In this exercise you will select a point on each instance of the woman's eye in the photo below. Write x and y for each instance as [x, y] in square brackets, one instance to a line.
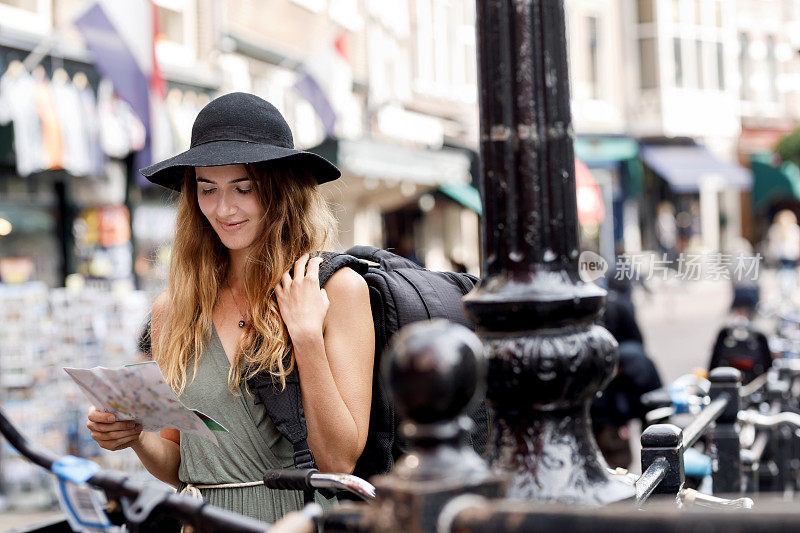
[207, 191]
[243, 191]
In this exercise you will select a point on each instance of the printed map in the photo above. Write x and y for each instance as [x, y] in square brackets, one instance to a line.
[139, 392]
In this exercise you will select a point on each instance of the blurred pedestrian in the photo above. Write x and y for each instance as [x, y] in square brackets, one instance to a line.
[667, 230]
[244, 298]
[783, 249]
[620, 402]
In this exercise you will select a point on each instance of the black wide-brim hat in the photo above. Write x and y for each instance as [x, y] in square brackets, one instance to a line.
[239, 128]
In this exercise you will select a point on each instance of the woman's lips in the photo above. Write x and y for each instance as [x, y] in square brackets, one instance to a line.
[234, 226]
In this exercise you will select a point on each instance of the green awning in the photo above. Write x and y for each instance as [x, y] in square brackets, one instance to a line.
[771, 184]
[465, 194]
[605, 149]
[600, 150]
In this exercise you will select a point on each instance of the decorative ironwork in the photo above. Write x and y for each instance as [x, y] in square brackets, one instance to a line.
[534, 314]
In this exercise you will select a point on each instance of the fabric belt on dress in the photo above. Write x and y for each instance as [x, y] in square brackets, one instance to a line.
[192, 489]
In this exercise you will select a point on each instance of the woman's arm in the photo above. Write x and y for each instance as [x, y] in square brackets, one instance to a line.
[160, 454]
[334, 344]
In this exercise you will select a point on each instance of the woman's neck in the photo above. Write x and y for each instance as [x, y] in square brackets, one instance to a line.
[236, 268]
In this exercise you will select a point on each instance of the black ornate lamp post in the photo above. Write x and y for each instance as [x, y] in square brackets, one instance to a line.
[534, 314]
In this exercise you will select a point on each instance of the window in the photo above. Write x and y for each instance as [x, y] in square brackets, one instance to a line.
[678, 60]
[676, 11]
[176, 41]
[720, 67]
[645, 13]
[444, 54]
[698, 46]
[27, 5]
[594, 65]
[772, 69]
[744, 66]
[170, 25]
[28, 15]
[313, 5]
[345, 13]
[648, 63]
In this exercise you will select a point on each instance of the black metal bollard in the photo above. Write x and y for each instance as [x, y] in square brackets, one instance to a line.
[726, 463]
[436, 371]
[532, 310]
[664, 442]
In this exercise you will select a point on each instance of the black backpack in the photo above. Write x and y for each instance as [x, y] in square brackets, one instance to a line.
[401, 292]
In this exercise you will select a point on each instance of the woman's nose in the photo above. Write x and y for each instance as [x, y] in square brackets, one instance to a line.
[226, 205]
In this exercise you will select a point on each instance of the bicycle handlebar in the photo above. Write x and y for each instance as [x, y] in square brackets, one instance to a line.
[144, 498]
[769, 421]
[692, 497]
[311, 478]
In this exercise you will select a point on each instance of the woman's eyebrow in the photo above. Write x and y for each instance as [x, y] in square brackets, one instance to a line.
[206, 180]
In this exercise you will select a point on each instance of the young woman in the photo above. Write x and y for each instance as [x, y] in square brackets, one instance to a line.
[244, 297]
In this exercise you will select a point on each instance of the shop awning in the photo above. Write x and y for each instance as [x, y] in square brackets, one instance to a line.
[465, 194]
[610, 150]
[604, 149]
[687, 167]
[368, 158]
[771, 184]
[590, 200]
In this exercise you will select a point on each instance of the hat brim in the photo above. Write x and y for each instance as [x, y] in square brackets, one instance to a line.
[169, 173]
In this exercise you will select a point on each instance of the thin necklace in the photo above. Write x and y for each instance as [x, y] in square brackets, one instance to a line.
[241, 322]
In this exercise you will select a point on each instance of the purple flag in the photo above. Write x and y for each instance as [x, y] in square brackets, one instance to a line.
[114, 60]
[309, 89]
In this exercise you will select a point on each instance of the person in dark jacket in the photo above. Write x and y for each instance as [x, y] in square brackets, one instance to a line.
[636, 374]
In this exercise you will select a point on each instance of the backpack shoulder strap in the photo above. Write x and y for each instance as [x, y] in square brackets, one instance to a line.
[285, 409]
[385, 258]
[332, 262]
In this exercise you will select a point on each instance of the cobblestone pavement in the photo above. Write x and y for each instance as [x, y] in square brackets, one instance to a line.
[680, 321]
[18, 521]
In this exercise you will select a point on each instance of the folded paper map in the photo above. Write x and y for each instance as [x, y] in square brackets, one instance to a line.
[139, 392]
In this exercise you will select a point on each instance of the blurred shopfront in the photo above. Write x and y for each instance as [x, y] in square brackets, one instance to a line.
[76, 230]
[701, 191]
[613, 161]
[70, 194]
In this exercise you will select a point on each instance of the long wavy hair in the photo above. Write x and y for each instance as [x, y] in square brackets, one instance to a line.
[297, 220]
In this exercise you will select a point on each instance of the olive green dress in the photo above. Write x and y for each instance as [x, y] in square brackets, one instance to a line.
[251, 446]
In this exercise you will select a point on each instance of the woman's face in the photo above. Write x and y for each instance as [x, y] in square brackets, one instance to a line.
[226, 197]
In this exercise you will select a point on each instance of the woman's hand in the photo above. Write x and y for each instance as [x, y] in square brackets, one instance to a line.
[110, 434]
[303, 305]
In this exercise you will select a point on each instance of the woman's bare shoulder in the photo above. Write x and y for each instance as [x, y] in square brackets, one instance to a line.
[159, 313]
[161, 303]
[346, 281]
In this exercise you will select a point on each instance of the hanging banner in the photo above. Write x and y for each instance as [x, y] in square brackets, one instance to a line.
[115, 60]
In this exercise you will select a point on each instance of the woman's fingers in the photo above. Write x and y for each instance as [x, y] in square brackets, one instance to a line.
[118, 444]
[114, 435]
[101, 416]
[313, 268]
[286, 279]
[300, 267]
[115, 426]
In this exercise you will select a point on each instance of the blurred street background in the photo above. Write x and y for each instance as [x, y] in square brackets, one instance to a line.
[685, 115]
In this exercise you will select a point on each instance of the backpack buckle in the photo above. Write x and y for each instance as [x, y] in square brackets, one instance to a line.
[304, 459]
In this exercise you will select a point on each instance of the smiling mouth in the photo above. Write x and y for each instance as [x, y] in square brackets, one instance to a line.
[233, 226]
